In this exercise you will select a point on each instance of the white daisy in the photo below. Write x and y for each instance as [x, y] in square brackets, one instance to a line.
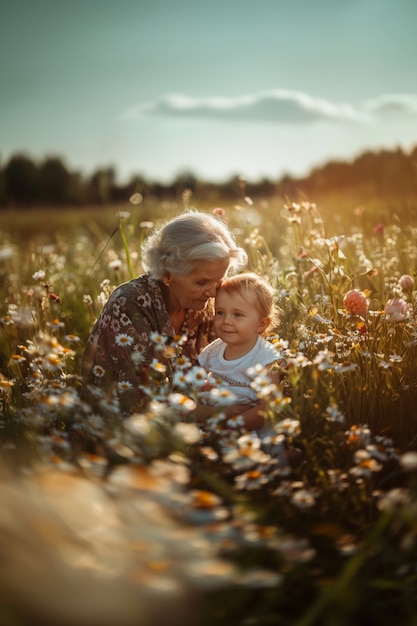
[222, 396]
[39, 275]
[179, 380]
[124, 340]
[180, 401]
[124, 385]
[197, 376]
[158, 339]
[98, 371]
[158, 366]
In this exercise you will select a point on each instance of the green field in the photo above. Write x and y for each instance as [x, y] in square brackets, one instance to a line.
[328, 539]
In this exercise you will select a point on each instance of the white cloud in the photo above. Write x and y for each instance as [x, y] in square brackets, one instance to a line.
[392, 103]
[278, 107]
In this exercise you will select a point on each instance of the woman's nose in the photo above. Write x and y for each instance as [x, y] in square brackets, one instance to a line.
[211, 291]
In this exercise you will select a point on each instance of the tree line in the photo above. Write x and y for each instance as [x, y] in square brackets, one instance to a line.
[26, 183]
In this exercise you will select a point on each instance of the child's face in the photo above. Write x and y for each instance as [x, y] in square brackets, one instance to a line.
[237, 320]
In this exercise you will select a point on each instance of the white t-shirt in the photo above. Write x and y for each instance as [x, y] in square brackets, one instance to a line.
[234, 373]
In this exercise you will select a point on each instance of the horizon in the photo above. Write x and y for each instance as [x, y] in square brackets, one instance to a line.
[189, 172]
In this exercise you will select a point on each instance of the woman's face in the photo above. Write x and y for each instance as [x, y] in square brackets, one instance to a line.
[193, 290]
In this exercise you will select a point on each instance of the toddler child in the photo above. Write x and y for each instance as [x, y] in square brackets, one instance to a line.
[244, 312]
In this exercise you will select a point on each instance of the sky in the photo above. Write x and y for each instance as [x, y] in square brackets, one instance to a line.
[256, 88]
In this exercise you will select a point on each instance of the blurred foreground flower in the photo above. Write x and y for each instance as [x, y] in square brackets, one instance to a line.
[80, 551]
[408, 461]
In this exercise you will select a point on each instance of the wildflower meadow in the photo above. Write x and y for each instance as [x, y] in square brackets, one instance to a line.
[131, 521]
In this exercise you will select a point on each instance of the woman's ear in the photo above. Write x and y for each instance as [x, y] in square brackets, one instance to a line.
[166, 278]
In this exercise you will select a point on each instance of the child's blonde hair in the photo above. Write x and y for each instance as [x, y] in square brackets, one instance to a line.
[258, 290]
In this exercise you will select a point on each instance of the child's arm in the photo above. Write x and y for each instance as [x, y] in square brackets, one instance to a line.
[251, 414]
[254, 415]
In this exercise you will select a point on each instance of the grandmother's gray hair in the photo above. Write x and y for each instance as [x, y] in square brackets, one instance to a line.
[186, 239]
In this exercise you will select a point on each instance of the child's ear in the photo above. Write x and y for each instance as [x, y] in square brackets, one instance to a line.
[263, 325]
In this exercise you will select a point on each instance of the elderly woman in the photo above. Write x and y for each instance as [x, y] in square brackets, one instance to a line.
[185, 261]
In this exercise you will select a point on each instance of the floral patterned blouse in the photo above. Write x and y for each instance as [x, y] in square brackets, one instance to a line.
[120, 349]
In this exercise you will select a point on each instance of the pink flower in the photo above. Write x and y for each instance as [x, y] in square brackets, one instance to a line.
[356, 302]
[396, 309]
[379, 229]
[219, 212]
[406, 282]
[310, 272]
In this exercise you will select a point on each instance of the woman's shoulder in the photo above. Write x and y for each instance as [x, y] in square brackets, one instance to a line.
[136, 289]
[135, 284]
